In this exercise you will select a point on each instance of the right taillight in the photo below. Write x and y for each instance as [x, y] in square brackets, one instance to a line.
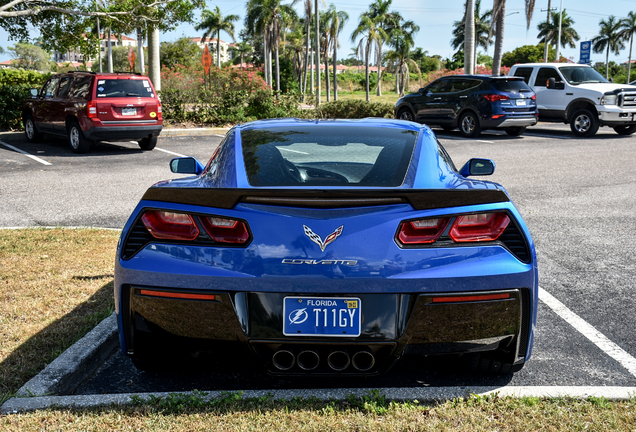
[91, 108]
[225, 230]
[170, 225]
[478, 227]
[495, 97]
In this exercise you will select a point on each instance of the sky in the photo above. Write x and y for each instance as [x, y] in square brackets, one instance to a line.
[436, 17]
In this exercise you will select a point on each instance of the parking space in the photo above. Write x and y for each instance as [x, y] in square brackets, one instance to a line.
[576, 195]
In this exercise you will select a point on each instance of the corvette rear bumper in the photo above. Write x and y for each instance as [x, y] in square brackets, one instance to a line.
[392, 325]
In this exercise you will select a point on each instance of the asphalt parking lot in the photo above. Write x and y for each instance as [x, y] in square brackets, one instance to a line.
[576, 195]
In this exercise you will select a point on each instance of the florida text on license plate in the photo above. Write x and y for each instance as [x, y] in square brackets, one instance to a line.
[321, 316]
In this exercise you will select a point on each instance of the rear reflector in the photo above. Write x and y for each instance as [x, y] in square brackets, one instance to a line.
[422, 231]
[226, 230]
[182, 296]
[479, 227]
[471, 298]
[170, 225]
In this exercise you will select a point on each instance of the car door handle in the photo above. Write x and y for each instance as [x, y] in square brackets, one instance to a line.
[463, 97]
[439, 98]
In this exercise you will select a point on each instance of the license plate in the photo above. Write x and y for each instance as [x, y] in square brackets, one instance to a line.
[521, 102]
[129, 111]
[321, 316]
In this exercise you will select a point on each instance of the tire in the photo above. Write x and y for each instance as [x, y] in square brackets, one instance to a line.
[79, 143]
[483, 365]
[30, 130]
[405, 114]
[515, 131]
[625, 130]
[469, 125]
[148, 143]
[584, 124]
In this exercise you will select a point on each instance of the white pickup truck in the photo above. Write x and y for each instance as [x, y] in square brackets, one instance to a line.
[579, 95]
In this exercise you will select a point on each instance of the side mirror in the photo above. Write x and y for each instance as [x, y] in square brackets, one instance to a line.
[554, 84]
[34, 92]
[478, 167]
[186, 165]
[611, 80]
[421, 90]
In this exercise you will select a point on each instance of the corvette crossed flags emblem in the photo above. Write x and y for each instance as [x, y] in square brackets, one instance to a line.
[328, 240]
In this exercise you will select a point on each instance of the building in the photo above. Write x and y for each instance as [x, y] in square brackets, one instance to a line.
[227, 53]
[114, 41]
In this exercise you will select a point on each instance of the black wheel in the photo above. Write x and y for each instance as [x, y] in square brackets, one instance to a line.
[469, 125]
[79, 143]
[148, 143]
[583, 123]
[515, 131]
[30, 130]
[625, 130]
[405, 114]
[485, 365]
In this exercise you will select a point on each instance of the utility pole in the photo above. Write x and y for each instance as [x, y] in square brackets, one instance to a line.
[546, 45]
[558, 45]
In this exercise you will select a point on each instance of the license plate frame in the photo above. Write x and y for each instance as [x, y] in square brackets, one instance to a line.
[129, 111]
[322, 316]
[521, 102]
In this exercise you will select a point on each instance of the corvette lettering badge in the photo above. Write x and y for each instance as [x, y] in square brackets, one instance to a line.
[328, 240]
[317, 262]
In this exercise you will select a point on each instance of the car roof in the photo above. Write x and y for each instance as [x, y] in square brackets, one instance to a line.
[365, 122]
[549, 64]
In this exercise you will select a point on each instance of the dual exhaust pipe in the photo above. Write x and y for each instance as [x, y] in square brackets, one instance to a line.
[337, 361]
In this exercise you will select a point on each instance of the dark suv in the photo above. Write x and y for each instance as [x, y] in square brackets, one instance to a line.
[87, 107]
[472, 103]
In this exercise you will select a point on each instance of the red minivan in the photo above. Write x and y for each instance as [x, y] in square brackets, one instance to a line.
[88, 107]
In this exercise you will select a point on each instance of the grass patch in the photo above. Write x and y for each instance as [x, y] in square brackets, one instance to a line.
[388, 97]
[55, 286]
[370, 413]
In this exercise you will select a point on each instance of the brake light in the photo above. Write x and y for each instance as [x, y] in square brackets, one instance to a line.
[422, 231]
[495, 97]
[170, 225]
[92, 109]
[534, 97]
[479, 227]
[226, 230]
[159, 108]
[178, 295]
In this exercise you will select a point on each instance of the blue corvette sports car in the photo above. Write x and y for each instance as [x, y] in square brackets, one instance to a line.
[328, 247]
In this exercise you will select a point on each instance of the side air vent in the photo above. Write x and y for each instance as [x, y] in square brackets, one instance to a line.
[137, 238]
[516, 243]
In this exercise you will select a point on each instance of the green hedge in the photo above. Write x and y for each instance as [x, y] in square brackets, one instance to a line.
[354, 109]
[11, 97]
[12, 77]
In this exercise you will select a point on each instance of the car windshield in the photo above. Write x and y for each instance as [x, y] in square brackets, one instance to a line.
[581, 74]
[124, 88]
[327, 156]
[510, 85]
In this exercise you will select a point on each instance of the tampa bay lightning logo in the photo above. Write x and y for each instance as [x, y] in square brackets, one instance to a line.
[328, 240]
[298, 316]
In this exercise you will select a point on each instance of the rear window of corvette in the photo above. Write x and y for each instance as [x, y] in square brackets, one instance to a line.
[327, 156]
[123, 88]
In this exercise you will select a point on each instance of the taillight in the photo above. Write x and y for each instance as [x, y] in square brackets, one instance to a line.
[495, 97]
[92, 109]
[479, 227]
[422, 231]
[225, 230]
[159, 108]
[170, 225]
[534, 97]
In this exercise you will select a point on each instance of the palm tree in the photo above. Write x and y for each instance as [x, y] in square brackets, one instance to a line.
[332, 21]
[549, 31]
[213, 22]
[469, 45]
[609, 39]
[379, 10]
[242, 49]
[401, 39]
[628, 26]
[369, 31]
[482, 28]
[498, 21]
[308, 13]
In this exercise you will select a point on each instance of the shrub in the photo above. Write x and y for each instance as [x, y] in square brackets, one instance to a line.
[11, 97]
[13, 77]
[354, 109]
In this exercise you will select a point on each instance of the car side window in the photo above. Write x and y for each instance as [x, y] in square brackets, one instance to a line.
[440, 86]
[65, 86]
[460, 84]
[49, 88]
[524, 73]
[81, 87]
[544, 75]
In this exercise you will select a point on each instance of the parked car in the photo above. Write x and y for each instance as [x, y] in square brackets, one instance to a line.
[87, 107]
[472, 103]
[328, 247]
[579, 95]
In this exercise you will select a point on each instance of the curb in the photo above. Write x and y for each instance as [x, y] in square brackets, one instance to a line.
[425, 395]
[80, 360]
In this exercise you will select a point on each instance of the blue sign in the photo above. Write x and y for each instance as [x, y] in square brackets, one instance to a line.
[586, 48]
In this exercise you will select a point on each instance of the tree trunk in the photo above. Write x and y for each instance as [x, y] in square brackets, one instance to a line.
[629, 64]
[379, 60]
[265, 68]
[140, 50]
[306, 65]
[499, 39]
[277, 69]
[607, 62]
[154, 70]
[366, 67]
[317, 36]
[99, 52]
[327, 85]
[110, 54]
[397, 81]
[313, 79]
[546, 46]
[335, 64]
[469, 37]
[218, 49]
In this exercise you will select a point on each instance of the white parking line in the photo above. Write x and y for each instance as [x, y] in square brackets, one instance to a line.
[595, 336]
[35, 158]
[169, 152]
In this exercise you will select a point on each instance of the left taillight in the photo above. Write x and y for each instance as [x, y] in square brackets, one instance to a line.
[223, 230]
[91, 109]
[463, 228]
[170, 225]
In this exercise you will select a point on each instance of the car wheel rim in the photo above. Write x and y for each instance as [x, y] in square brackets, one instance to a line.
[468, 124]
[406, 116]
[74, 137]
[582, 123]
[29, 129]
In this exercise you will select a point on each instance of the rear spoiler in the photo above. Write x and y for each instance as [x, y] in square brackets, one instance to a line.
[419, 199]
